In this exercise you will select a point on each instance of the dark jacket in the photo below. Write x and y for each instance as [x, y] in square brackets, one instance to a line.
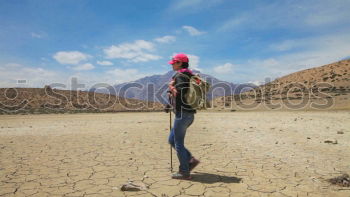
[182, 86]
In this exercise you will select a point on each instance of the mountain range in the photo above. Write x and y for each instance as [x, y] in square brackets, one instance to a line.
[153, 88]
[321, 88]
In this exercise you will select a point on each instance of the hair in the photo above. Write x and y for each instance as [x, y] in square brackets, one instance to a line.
[185, 65]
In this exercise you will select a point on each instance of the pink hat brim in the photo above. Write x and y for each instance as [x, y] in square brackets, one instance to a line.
[171, 61]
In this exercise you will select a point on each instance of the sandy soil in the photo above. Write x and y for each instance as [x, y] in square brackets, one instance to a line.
[241, 153]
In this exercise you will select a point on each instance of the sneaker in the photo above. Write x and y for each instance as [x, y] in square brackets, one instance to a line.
[180, 175]
[193, 163]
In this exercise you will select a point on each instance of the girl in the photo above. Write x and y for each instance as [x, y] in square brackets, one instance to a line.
[184, 115]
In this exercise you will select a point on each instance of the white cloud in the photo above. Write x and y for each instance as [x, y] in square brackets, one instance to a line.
[86, 66]
[257, 83]
[135, 52]
[11, 65]
[104, 63]
[266, 63]
[166, 39]
[312, 43]
[285, 45]
[194, 5]
[145, 57]
[192, 31]
[317, 20]
[39, 77]
[224, 69]
[70, 57]
[194, 62]
[186, 3]
[317, 51]
[36, 35]
[110, 77]
[34, 77]
[305, 15]
[233, 23]
[328, 13]
[124, 75]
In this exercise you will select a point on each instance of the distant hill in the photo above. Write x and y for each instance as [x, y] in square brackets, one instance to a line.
[324, 87]
[160, 85]
[47, 100]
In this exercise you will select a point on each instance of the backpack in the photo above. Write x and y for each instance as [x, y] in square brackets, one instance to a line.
[196, 96]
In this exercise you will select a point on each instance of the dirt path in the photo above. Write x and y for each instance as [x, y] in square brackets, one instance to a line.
[241, 153]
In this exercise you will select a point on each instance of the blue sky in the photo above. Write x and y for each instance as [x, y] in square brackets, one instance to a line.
[115, 41]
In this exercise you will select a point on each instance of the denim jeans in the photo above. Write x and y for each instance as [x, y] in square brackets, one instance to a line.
[177, 138]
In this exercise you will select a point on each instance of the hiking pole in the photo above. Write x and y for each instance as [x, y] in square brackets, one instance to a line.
[171, 148]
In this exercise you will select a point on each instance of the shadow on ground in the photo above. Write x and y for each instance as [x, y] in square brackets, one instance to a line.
[214, 178]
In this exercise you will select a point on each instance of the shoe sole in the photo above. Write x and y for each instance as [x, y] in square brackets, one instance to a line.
[188, 178]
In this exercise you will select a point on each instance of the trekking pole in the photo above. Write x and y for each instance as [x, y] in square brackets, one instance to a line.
[171, 148]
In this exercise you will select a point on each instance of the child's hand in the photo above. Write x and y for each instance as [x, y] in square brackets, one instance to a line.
[167, 108]
[173, 91]
[172, 88]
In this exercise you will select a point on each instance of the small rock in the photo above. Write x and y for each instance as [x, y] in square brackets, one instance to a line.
[132, 187]
[295, 119]
[331, 141]
[308, 138]
[276, 142]
[343, 180]
[340, 132]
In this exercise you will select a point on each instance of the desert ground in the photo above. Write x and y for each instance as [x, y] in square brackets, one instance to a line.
[266, 153]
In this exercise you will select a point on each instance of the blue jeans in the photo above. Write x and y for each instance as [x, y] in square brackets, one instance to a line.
[177, 139]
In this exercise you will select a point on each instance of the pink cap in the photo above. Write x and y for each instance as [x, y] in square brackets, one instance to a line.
[179, 58]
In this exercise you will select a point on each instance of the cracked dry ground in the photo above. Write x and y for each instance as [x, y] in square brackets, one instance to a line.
[241, 153]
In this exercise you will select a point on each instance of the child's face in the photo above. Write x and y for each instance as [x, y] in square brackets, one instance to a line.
[177, 66]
